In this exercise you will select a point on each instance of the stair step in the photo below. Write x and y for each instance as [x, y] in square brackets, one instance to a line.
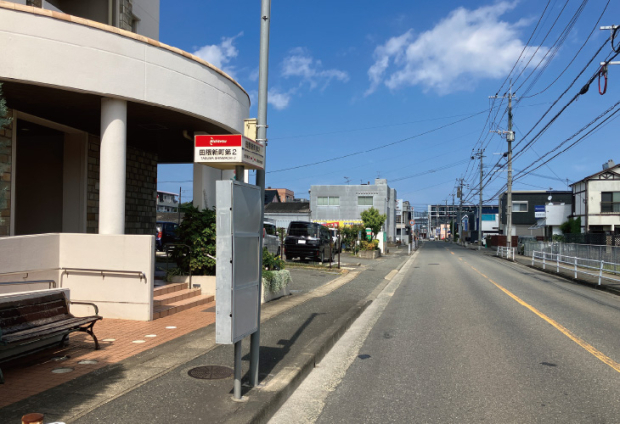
[169, 288]
[168, 298]
[181, 305]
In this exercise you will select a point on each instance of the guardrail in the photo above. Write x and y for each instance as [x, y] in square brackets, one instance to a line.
[506, 252]
[577, 265]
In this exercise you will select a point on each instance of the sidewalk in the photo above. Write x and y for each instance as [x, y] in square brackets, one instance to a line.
[149, 382]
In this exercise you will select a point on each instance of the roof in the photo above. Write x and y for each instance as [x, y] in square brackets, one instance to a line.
[615, 168]
[272, 196]
[288, 207]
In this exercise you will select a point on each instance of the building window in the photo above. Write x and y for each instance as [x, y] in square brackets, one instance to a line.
[365, 200]
[519, 206]
[328, 201]
[610, 201]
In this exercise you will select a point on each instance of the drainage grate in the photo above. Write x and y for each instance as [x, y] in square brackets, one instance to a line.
[211, 372]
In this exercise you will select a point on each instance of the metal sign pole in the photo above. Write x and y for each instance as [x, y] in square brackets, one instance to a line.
[261, 133]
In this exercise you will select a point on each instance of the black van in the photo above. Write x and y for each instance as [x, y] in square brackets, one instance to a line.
[308, 240]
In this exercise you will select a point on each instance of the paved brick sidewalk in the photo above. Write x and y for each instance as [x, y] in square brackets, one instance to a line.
[119, 339]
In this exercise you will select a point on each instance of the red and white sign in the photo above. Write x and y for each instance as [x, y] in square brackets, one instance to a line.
[227, 151]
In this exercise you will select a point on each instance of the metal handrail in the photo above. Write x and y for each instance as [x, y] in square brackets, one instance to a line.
[52, 283]
[576, 264]
[29, 271]
[103, 271]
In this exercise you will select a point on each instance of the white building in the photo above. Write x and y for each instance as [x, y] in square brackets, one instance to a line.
[97, 103]
[167, 201]
[596, 200]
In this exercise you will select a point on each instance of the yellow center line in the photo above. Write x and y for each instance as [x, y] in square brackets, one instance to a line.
[598, 354]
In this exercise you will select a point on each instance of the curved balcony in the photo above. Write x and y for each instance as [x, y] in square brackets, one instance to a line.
[58, 66]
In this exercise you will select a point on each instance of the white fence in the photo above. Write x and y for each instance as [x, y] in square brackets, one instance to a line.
[506, 252]
[595, 268]
[586, 251]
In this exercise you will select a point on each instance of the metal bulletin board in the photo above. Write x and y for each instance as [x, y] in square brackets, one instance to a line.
[238, 289]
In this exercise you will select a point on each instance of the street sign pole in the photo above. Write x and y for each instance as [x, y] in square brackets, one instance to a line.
[261, 135]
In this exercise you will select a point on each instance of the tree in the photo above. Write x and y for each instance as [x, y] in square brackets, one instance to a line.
[4, 120]
[572, 226]
[373, 220]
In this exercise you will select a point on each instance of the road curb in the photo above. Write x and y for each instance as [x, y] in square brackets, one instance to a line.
[265, 401]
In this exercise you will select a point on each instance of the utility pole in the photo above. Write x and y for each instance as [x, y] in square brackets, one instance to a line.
[460, 196]
[480, 154]
[510, 137]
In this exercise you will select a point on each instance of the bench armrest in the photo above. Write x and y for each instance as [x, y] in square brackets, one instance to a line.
[86, 303]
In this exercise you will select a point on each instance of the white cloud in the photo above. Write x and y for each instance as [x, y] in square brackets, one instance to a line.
[278, 99]
[301, 64]
[219, 55]
[466, 46]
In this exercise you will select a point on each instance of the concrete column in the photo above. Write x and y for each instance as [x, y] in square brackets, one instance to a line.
[113, 162]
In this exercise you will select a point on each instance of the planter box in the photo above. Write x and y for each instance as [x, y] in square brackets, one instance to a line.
[369, 254]
[206, 282]
[284, 291]
[267, 295]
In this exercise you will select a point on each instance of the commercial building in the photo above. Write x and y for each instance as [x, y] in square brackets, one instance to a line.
[97, 102]
[526, 205]
[283, 213]
[404, 221]
[345, 203]
[597, 200]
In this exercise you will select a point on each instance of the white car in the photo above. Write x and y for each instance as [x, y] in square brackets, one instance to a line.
[270, 238]
[337, 246]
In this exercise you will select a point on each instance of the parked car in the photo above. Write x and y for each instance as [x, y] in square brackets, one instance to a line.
[165, 233]
[270, 238]
[337, 243]
[308, 240]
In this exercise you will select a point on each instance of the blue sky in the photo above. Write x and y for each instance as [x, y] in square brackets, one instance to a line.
[351, 76]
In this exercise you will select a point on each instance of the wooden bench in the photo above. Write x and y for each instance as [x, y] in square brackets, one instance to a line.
[33, 317]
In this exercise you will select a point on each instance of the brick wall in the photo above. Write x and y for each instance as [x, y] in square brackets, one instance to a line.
[126, 15]
[141, 190]
[141, 196]
[6, 141]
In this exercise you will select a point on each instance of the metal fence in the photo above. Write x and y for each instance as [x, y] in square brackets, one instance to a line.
[596, 268]
[608, 254]
[599, 239]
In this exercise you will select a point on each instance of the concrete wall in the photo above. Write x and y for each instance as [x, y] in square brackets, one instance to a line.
[51, 256]
[147, 11]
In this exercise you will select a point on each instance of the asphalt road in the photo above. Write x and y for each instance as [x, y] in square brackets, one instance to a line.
[470, 338]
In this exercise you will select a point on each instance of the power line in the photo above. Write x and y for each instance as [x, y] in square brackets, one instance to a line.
[378, 147]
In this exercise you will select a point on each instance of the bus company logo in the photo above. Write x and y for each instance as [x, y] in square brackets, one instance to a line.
[215, 142]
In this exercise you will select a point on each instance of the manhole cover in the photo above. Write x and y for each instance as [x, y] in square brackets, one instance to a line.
[62, 370]
[88, 362]
[211, 372]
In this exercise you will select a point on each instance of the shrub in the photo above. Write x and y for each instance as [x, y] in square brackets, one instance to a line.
[198, 232]
[271, 262]
[370, 245]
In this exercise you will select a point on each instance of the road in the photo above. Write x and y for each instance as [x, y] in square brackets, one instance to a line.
[469, 338]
